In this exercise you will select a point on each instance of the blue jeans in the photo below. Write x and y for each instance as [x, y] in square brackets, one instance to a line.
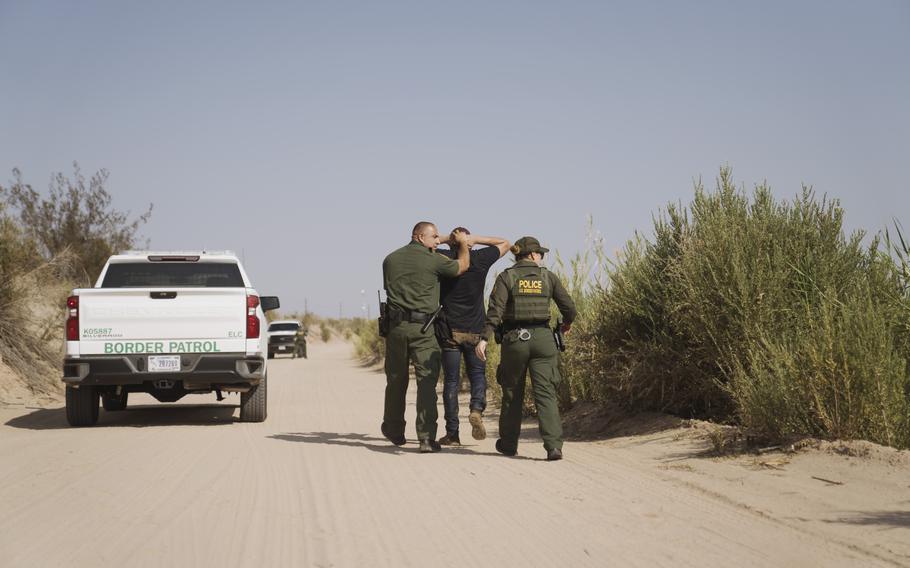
[451, 367]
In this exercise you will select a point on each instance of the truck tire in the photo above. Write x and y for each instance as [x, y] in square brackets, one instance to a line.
[82, 406]
[271, 355]
[113, 403]
[253, 406]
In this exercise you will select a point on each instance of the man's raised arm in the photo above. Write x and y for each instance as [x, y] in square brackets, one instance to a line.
[498, 242]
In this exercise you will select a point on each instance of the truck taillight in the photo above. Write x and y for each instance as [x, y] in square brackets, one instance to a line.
[72, 319]
[252, 321]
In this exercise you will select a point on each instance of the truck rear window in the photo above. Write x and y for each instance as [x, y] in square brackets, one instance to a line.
[172, 275]
[284, 327]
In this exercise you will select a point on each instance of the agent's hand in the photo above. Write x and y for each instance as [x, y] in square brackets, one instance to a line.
[459, 237]
[565, 328]
[481, 350]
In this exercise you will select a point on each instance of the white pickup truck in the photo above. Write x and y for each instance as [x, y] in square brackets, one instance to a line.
[168, 324]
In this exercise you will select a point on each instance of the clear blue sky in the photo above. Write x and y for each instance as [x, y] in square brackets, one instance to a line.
[312, 135]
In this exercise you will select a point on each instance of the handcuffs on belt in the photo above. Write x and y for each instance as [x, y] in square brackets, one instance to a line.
[519, 333]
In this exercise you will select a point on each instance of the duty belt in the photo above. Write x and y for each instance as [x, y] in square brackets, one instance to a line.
[522, 330]
[524, 325]
[410, 316]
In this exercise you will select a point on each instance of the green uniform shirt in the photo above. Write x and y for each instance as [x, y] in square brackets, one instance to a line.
[500, 298]
[411, 276]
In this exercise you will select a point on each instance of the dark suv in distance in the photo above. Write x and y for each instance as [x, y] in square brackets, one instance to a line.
[287, 337]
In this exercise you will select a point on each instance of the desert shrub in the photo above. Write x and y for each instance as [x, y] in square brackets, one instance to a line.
[751, 309]
[32, 291]
[49, 245]
[368, 346]
[325, 332]
[76, 216]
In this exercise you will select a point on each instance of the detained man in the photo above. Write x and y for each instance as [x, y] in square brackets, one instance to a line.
[460, 329]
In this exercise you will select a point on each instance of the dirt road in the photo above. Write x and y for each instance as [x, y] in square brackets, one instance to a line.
[317, 485]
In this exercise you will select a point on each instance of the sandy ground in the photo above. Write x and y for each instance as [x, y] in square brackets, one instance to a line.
[14, 391]
[317, 485]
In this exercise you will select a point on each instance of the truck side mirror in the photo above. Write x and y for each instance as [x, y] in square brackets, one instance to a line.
[269, 303]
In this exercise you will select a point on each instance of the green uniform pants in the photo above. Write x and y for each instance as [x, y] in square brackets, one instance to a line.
[404, 345]
[540, 356]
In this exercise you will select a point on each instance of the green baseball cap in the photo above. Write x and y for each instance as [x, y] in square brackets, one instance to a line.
[526, 245]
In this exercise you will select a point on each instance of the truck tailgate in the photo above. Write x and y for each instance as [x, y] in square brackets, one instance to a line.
[158, 320]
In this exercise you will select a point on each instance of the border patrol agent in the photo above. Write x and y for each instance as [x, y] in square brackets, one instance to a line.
[411, 279]
[520, 308]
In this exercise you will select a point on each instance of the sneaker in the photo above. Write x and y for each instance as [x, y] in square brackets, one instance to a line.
[429, 446]
[554, 455]
[450, 440]
[397, 440]
[500, 447]
[477, 429]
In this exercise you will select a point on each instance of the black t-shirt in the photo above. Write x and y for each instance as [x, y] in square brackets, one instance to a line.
[462, 297]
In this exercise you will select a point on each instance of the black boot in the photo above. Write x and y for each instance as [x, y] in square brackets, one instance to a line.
[501, 448]
[429, 446]
[554, 455]
[397, 440]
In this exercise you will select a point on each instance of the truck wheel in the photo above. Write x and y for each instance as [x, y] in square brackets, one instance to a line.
[113, 403]
[253, 403]
[81, 406]
[271, 355]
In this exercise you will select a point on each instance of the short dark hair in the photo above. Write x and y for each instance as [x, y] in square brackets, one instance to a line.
[462, 229]
[421, 227]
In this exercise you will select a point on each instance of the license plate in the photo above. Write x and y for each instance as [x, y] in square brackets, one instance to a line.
[158, 364]
[283, 347]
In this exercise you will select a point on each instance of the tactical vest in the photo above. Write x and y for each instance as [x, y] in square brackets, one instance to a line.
[529, 294]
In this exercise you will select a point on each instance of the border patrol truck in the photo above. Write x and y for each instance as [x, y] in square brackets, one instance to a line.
[167, 324]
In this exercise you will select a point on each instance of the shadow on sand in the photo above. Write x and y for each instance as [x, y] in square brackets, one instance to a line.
[134, 417]
[587, 421]
[887, 518]
[375, 444]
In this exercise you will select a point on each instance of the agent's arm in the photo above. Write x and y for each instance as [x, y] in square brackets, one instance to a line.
[564, 302]
[499, 296]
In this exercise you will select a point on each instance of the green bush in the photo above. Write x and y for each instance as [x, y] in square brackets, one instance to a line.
[368, 346]
[749, 309]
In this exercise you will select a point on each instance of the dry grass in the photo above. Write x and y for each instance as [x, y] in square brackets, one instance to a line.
[747, 309]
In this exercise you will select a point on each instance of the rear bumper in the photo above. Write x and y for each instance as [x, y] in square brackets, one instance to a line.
[198, 370]
[284, 343]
